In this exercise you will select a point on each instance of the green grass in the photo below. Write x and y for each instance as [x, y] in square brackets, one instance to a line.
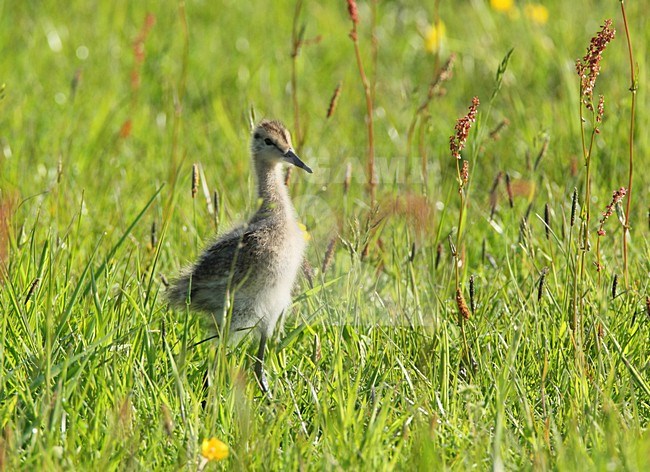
[371, 370]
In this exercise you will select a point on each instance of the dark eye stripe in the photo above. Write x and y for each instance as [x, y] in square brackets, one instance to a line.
[269, 142]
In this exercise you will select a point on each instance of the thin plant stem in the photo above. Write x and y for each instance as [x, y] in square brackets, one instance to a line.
[372, 183]
[457, 142]
[587, 151]
[578, 305]
[374, 50]
[633, 89]
[296, 43]
[461, 214]
[588, 69]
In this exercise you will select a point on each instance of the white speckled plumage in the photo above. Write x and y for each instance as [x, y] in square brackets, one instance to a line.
[254, 265]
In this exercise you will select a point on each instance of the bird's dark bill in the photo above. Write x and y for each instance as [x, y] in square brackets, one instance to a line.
[292, 158]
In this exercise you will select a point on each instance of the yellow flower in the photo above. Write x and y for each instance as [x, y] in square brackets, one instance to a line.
[537, 13]
[502, 5]
[305, 233]
[213, 449]
[434, 37]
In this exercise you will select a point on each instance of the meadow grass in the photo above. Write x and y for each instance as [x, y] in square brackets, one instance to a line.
[105, 110]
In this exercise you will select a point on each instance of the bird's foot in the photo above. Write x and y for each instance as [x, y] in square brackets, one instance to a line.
[261, 379]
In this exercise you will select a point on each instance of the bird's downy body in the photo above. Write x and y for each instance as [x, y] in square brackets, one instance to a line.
[253, 266]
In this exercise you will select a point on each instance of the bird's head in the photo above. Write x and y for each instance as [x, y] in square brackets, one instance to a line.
[271, 143]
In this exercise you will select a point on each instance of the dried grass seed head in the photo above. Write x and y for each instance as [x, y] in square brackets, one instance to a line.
[588, 68]
[457, 141]
[617, 196]
[353, 12]
[463, 309]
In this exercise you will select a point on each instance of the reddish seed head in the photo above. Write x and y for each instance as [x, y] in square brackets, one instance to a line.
[589, 67]
[125, 130]
[463, 309]
[617, 196]
[329, 254]
[334, 100]
[457, 141]
[601, 109]
[149, 21]
[464, 172]
[353, 12]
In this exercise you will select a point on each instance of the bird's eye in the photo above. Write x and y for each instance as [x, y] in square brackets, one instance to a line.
[269, 142]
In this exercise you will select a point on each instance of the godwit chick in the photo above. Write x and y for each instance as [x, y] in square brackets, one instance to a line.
[254, 266]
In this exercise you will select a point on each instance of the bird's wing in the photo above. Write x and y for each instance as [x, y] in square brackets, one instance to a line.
[226, 262]
[220, 258]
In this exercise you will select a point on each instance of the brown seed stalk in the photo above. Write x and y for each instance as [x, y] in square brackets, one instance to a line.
[464, 173]
[334, 100]
[472, 299]
[547, 221]
[463, 310]
[617, 196]
[458, 140]
[435, 86]
[421, 114]
[574, 206]
[540, 287]
[195, 179]
[308, 272]
[368, 92]
[329, 254]
[589, 67]
[438, 254]
[412, 253]
[353, 12]
[600, 109]
[32, 289]
[600, 331]
[542, 152]
[495, 134]
[509, 190]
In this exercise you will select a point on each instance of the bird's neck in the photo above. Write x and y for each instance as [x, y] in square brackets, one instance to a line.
[271, 189]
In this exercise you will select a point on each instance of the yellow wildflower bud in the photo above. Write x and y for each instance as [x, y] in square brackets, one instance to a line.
[537, 13]
[502, 5]
[434, 37]
[214, 450]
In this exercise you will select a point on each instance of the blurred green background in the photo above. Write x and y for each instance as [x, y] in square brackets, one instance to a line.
[107, 105]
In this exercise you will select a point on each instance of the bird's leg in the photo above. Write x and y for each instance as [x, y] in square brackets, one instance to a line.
[259, 366]
[206, 387]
